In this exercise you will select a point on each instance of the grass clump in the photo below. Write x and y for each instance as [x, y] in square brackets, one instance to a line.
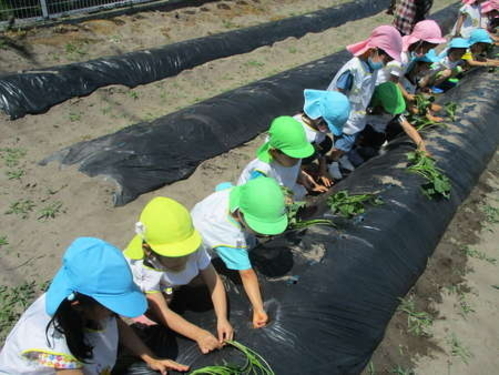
[22, 207]
[437, 184]
[473, 253]
[12, 156]
[50, 211]
[450, 109]
[418, 322]
[255, 364]
[346, 205]
[458, 349]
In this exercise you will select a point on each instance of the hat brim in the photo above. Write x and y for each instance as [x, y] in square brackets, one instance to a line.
[179, 249]
[59, 289]
[265, 227]
[336, 130]
[130, 305]
[304, 151]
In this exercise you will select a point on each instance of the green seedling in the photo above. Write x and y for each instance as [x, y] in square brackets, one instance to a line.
[229, 24]
[418, 323]
[458, 349]
[450, 109]
[73, 49]
[423, 103]
[370, 368]
[255, 364]
[437, 184]
[491, 213]
[50, 211]
[292, 50]
[15, 174]
[467, 250]
[346, 205]
[465, 307]
[3, 241]
[133, 94]
[12, 156]
[74, 116]
[22, 207]
[495, 286]
[254, 63]
[292, 209]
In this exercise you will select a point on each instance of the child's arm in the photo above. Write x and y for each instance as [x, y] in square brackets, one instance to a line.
[459, 24]
[205, 340]
[412, 133]
[324, 176]
[487, 62]
[408, 97]
[133, 343]
[217, 292]
[252, 289]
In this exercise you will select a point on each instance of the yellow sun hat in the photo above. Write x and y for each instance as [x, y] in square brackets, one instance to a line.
[167, 227]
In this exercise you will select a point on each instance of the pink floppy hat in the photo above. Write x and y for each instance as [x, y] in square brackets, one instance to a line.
[385, 37]
[489, 6]
[427, 30]
[469, 2]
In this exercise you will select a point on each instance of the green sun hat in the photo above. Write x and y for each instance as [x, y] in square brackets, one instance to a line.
[287, 135]
[389, 97]
[261, 201]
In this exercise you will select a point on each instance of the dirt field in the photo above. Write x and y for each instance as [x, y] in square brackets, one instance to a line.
[44, 208]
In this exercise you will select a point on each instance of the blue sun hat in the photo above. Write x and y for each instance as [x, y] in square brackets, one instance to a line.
[332, 106]
[479, 36]
[93, 267]
[430, 57]
[459, 43]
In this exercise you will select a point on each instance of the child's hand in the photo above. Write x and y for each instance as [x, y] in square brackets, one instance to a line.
[430, 117]
[260, 319]
[207, 342]
[225, 331]
[326, 180]
[162, 365]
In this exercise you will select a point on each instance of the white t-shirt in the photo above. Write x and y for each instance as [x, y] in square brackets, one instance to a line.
[474, 20]
[313, 136]
[360, 94]
[212, 219]
[151, 280]
[285, 176]
[27, 352]
[393, 68]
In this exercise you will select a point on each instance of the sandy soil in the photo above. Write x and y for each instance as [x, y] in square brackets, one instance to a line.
[34, 244]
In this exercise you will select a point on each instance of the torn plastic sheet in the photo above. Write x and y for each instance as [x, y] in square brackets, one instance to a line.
[349, 280]
[37, 91]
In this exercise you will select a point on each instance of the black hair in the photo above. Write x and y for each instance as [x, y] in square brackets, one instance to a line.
[71, 323]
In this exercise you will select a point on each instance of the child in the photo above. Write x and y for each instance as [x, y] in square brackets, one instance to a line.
[323, 112]
[357, 80]
[479, 43]
[490, 9]
[387, 106]
[280, 158]
[470, 17]
[167, 253]
[425, 36]
[74, 327]
[450, 64]
[228, 221]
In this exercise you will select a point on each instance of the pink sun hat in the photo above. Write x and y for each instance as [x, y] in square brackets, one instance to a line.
[385, 37]
[427, 30]
[489, 6]
[469, 2]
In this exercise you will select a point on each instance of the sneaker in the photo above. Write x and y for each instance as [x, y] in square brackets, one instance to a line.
[334, 171]
[346, 164]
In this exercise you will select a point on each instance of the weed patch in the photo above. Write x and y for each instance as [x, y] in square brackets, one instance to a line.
[12, 156]
[50, 211]
[15, 174]
[457, 349]
[467, 250]
[418, 323]
[22, 207]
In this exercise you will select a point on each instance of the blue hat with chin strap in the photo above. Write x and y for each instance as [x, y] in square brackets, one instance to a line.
[93, 267]
[480, 36]
[430, 57]
[332, 106]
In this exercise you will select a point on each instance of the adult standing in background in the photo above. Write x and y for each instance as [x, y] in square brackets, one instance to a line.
[410, 12]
